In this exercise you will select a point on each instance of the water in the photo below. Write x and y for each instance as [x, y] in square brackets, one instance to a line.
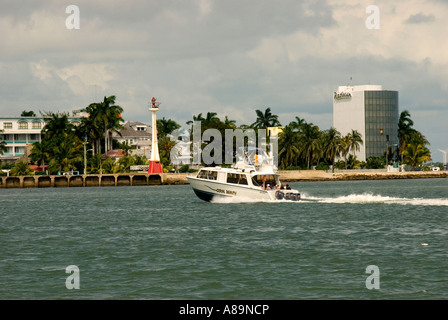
[161, 242]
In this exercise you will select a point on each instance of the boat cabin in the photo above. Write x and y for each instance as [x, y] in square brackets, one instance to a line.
[250, 179]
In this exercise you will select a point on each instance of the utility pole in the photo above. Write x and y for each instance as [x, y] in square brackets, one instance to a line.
[85, 155]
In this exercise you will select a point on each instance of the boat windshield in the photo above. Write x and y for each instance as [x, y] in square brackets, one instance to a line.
[259, 179]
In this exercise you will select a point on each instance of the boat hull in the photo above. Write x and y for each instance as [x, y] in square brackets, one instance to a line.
[209, 190]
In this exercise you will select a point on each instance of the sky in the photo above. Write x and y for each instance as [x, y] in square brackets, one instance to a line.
[225, 56]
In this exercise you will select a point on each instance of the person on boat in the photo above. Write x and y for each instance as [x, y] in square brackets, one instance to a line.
[268, 187]
[288, 187]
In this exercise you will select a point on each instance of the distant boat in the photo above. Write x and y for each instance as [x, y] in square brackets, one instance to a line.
[252, 177]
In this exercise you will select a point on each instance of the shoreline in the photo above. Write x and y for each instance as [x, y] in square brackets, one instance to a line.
[144, 179]
[320, 175]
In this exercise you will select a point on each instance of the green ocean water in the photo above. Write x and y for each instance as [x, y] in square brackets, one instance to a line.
[162, 242]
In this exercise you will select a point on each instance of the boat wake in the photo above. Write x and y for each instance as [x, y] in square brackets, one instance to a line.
[372, 198]
[367, 198]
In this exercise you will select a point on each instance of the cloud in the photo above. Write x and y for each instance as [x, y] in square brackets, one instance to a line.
[420, 18]
[230, 57]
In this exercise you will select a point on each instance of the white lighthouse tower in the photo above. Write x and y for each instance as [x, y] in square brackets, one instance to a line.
[154, 165]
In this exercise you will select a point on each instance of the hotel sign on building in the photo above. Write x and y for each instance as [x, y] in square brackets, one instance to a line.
[342, 95]
[371, 111]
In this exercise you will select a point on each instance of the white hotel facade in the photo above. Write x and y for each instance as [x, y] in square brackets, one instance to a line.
[371, 111]
[21, 132]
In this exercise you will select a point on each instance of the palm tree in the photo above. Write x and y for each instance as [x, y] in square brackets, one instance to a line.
[345, 147]
[332, 145]
[199, 117]
[230, 124]
[416, 154]
[266, 119]
[166, 126]
[126, 163]
[109, 166]
[405, 131]
[140, 159]
[165, 147]
[56, 124]
[355, 140]
[309, 140]
[352, 162]
[298, 124]
[21, 168]
[288, 150]
[211, 120]
[105, 117]
[2, 144]
[95, 164]
[88, 130]
[66, 153]
[39, 153]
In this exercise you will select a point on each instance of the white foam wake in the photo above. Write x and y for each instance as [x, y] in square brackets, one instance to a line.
[372, 198]
[352, 198]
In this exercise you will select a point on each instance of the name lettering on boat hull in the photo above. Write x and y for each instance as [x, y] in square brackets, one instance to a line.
[226, 191]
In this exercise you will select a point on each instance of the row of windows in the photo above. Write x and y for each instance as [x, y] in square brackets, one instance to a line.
[20, 137]
[381, 105]
[379, 152]
[380, 102]
[381, 125]
[34, 124]
[379, 141]
[382, 121]
[23, 125]
[236, 178]
[16, 150]
[384, 112]
[206, 174]
[382, 94]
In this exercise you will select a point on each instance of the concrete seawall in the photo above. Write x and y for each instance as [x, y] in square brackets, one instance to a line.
[94, 180]
[144, 179]
[320, 175]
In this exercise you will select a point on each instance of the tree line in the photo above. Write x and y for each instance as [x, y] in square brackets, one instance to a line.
[301, 144]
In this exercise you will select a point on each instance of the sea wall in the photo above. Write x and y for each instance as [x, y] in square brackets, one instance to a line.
[91, 180]
[144, 179]
[320, 175]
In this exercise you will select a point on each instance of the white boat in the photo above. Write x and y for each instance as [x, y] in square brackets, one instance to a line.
[252, 177]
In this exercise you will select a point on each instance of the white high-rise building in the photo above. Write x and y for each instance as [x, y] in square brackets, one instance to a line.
[373, 112]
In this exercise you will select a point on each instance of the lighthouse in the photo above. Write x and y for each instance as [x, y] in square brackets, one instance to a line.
[154, 165]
